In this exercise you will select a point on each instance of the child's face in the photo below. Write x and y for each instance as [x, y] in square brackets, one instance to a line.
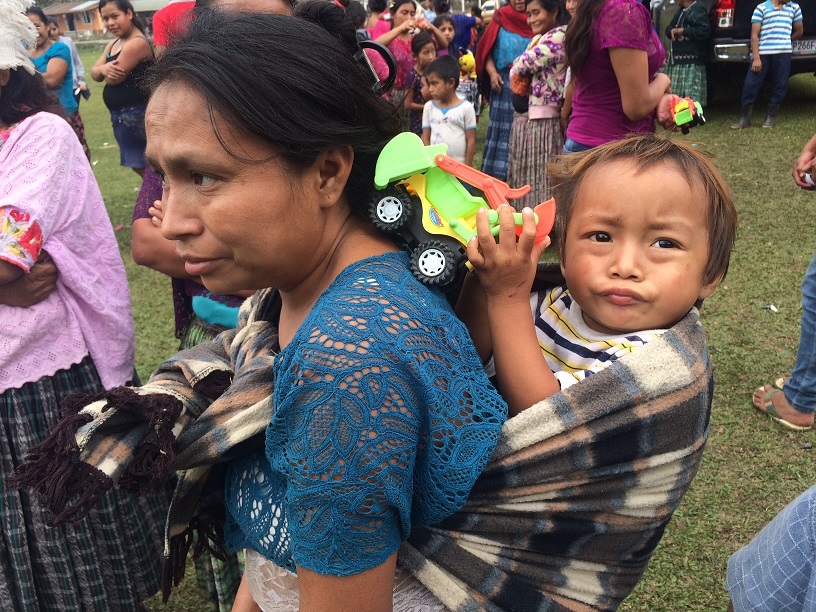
[426, 55]
[448, 31]
[636, 247]
[441, 90]
[572, 6]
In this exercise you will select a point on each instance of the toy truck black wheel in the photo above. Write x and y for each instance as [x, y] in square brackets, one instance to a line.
[434, 263]
[392, 208]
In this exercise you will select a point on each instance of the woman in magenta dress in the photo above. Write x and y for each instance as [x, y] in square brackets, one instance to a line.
[614, 55]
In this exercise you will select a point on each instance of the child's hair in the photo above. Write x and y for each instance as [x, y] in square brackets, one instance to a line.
[446, 68]
[443, 19]
[649, 151]
[265, 75]
[476, 10]
[442, 6]
[125, 6]
[559, 7]
[419, 41]
[357, 14]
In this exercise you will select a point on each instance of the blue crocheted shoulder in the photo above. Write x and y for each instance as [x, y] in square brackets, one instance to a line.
[384, 419]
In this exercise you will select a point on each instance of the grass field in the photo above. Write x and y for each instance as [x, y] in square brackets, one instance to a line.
[751, 468]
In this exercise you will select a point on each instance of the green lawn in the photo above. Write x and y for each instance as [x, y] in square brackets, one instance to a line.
[751, 467]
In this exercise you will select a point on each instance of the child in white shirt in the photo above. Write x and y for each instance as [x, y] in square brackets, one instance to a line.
[446, 117]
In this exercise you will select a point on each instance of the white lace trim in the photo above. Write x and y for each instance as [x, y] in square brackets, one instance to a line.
[275, 589]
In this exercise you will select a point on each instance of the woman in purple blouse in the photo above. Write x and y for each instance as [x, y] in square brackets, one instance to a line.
[614, 55]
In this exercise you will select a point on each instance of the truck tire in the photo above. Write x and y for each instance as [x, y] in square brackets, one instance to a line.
[434, 263]
[392, 208]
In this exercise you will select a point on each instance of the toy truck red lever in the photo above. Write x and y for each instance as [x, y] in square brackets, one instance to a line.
[497, 192]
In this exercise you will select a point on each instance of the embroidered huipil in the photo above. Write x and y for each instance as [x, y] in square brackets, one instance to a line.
[49, 200]
[544, 61]
[383, 420]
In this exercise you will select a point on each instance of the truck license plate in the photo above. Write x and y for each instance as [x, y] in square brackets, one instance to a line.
[804, 47]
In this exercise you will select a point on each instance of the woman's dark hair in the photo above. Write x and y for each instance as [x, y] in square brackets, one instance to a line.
[357, 14]
[38, 12]
[287, 83]
[579, 34]
[377, 6]
[419, 41]
[125, 6]
[562, 17]
[24, 95]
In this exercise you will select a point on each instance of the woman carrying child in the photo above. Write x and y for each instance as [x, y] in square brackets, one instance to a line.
[537, 80]
[398, 40]
[336, 391]
[689, 31]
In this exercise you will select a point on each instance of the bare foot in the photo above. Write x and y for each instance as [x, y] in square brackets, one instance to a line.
[782, 407]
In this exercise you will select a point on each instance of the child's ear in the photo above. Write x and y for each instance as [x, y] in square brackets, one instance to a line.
[708, 289]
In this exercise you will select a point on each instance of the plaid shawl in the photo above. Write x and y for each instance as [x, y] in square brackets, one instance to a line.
[566, 515]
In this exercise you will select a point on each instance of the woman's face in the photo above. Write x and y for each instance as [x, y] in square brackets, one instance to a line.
[118, 22]
[572, 6]
[42, 29]
[237, 225]
[53, 32]
[539, 19]
[404, 13]
[519, 5]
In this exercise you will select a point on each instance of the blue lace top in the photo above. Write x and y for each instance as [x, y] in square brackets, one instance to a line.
[384, 419]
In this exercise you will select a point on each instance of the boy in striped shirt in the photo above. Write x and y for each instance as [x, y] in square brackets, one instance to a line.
[644, 226]
[774, 24]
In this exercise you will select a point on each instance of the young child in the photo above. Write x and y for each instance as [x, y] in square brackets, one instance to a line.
[774, 24]
[445, 24]
[644, 228]
[447, 118]
[423, 49]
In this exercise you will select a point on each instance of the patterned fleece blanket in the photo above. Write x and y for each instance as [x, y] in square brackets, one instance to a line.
[565, 517]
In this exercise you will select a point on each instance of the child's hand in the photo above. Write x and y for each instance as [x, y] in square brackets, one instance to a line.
[156, 213]
[506, 269]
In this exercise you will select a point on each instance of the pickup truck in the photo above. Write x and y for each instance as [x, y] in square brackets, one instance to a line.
[730, 44]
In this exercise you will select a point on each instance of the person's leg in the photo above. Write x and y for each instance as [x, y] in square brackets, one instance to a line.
[796, 403]
[775, 571]
[750, 92]
[780, 73]
[800, 390]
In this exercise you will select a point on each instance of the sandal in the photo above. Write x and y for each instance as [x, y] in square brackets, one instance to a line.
[769, 409]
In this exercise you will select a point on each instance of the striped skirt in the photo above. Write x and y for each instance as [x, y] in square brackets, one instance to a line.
[533, 145]
[110, 560]
[688, 81]
[497, 141]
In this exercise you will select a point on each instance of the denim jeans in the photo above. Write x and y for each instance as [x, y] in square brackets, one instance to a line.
[779, 66]
[570, 146]
[800, 390]
[777, 569]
